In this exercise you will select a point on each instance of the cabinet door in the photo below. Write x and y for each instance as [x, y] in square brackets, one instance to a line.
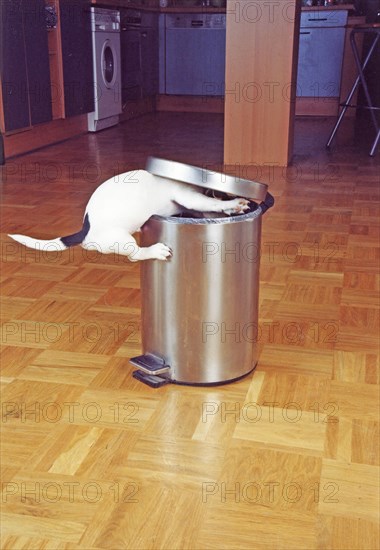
[13, 66]
[320, 62]
[25, 68]
[131, 81]
[149, 61]
[77, 57]
[37, 60]
[161, 53]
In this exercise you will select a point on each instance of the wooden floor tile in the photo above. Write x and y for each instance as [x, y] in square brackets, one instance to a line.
[285, 458]
[348, 486]
[340, 533]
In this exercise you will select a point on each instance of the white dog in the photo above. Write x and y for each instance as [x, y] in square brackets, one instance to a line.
[121, 205]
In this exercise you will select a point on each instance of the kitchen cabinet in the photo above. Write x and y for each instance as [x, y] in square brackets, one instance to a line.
[139, 54]
[321, 46]
[78, 82]
[149, 55]
[131, 85]
[25, 73]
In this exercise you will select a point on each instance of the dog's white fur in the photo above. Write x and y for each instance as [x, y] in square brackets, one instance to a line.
[121, 205]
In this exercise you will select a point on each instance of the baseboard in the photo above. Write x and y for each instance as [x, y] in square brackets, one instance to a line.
[317, 106]
[138, 107]
[48, 133]
[192, 104]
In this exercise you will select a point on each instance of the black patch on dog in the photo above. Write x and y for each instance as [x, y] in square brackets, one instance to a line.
[77, 238]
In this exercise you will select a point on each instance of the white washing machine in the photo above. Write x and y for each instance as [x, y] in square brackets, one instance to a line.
[105, 27]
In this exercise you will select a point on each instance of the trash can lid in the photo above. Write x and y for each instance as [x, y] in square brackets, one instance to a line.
[208, 179]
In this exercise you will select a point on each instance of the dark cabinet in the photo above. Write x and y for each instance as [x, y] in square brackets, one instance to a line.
[25, 73]
[149, 56]
[130, 44]
[139, 54]
[78, 80]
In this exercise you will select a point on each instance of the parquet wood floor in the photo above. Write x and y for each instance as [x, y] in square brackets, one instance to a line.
[287, 458]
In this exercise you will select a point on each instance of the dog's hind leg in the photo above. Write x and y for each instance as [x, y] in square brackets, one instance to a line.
[135, 253]
[117, 242]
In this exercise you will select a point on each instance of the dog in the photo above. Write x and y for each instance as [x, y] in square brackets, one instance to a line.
[121, 205]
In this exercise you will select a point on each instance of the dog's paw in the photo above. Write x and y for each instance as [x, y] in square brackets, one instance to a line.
[236, 206]
[160, 251]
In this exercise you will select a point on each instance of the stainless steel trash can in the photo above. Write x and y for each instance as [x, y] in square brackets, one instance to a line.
[200, 308]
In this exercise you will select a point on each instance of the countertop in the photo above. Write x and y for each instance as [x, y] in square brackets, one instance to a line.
[348, 7]
[153, 5]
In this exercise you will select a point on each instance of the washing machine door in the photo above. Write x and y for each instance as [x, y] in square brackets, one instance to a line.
[108, 64]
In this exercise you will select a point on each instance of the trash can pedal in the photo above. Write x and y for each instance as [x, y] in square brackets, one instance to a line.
[150, 364]
[150, 379]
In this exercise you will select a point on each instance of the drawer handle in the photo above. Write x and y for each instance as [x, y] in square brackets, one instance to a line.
[316, 19]
[304, 32]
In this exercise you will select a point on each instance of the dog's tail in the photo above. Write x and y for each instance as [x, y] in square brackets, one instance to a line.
[61, 243]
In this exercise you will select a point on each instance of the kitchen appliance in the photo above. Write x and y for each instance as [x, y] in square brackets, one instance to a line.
[200, 307]
[105, 30]
[195, 54]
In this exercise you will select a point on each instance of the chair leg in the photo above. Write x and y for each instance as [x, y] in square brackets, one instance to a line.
[360, 78]
[343, 112]
[375, 144]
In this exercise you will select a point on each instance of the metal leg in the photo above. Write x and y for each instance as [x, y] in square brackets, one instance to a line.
[360, 78]
[343, 111]
[375, 144]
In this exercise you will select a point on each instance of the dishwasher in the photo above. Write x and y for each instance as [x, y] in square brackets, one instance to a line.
[195, 52]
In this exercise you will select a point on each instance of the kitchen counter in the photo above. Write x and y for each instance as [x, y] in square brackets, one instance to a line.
[153, 5]
[348, 7]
